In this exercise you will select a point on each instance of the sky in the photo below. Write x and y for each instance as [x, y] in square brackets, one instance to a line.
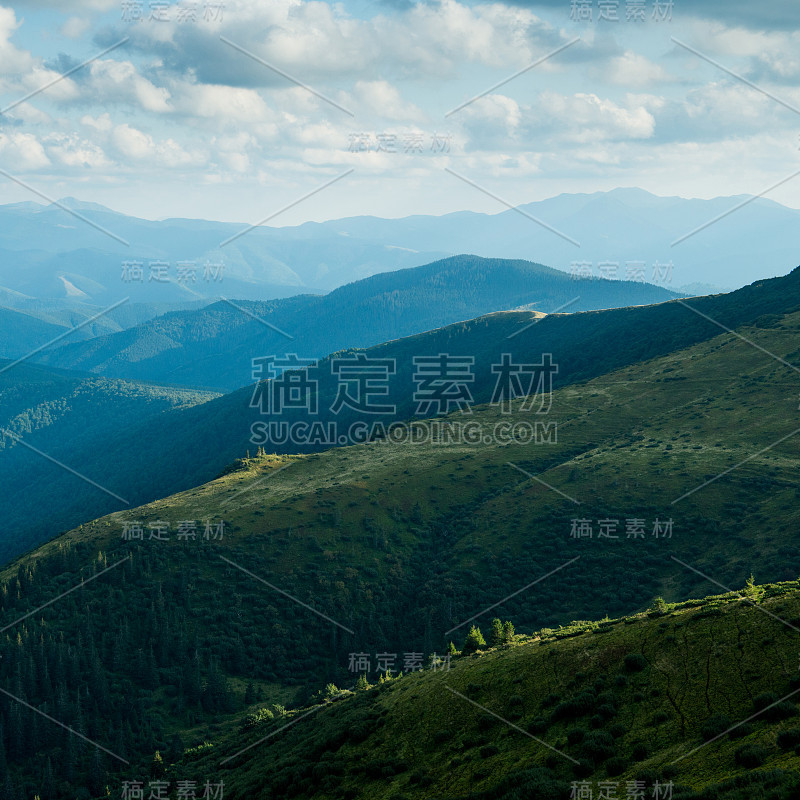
[290, 111]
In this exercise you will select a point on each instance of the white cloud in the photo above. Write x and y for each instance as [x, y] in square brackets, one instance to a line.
[132, 143]
[135, 146]
[31, 115]
[633, 70]
[101, 123]
[770, 55]
[120, 82]
[384, 100]
[75, 27]
[71, 150]
[585, 117]
[22, 151]
[12, 60]
[220, 102]
[491, 121]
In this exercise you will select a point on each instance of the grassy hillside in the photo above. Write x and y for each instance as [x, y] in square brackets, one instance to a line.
[699, 698]
[389, 547]
[584, 345]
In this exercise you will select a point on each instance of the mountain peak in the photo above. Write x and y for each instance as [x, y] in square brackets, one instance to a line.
[74, 204]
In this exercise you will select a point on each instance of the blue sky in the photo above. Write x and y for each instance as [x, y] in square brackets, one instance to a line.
[236, 109]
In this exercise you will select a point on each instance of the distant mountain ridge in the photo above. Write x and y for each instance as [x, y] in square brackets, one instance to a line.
[213, 347]
[87, 243]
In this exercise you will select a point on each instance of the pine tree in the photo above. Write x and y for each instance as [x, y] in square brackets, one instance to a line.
[175, 750]
[48, 781]
[157, 766]
[362, 684]
[496, 635]
[249, 694]
[508, 631]
[97, 775]
[474, 640]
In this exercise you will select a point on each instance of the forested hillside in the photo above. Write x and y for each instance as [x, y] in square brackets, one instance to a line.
[48, 418]
[256, 588]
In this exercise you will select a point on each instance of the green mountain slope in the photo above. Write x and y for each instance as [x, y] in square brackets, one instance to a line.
[392, 548]
[698, 700]
[583, 345]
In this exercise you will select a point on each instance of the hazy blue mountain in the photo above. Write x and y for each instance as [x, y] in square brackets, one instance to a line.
[26, 324]
[214, 346]
[20, 333]
[47, 252]
[760, 239]
[71, 313]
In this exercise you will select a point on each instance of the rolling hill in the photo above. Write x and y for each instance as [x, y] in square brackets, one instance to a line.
[47, 418]
[255, 589]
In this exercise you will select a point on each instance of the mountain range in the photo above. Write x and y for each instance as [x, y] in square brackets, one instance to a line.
[196, 635]
[183, 447]
[79, 251]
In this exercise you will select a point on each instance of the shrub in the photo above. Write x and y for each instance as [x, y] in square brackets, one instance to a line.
[257, 717]
[751, 755]
[537, 725]
[442, 736]
[575, 707]
[639, 752]
[583, 769]
[598, 746]
[616, 766]
[489, 750]
[607, 711]
[635, 662]
[787, 740]
[486, 722]
[763, 700]
[715, 726]
[617, 731]
[576, 735]
[745, 729]
[669, 771]
[783, 710]
[550, 700]
[658, 607]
